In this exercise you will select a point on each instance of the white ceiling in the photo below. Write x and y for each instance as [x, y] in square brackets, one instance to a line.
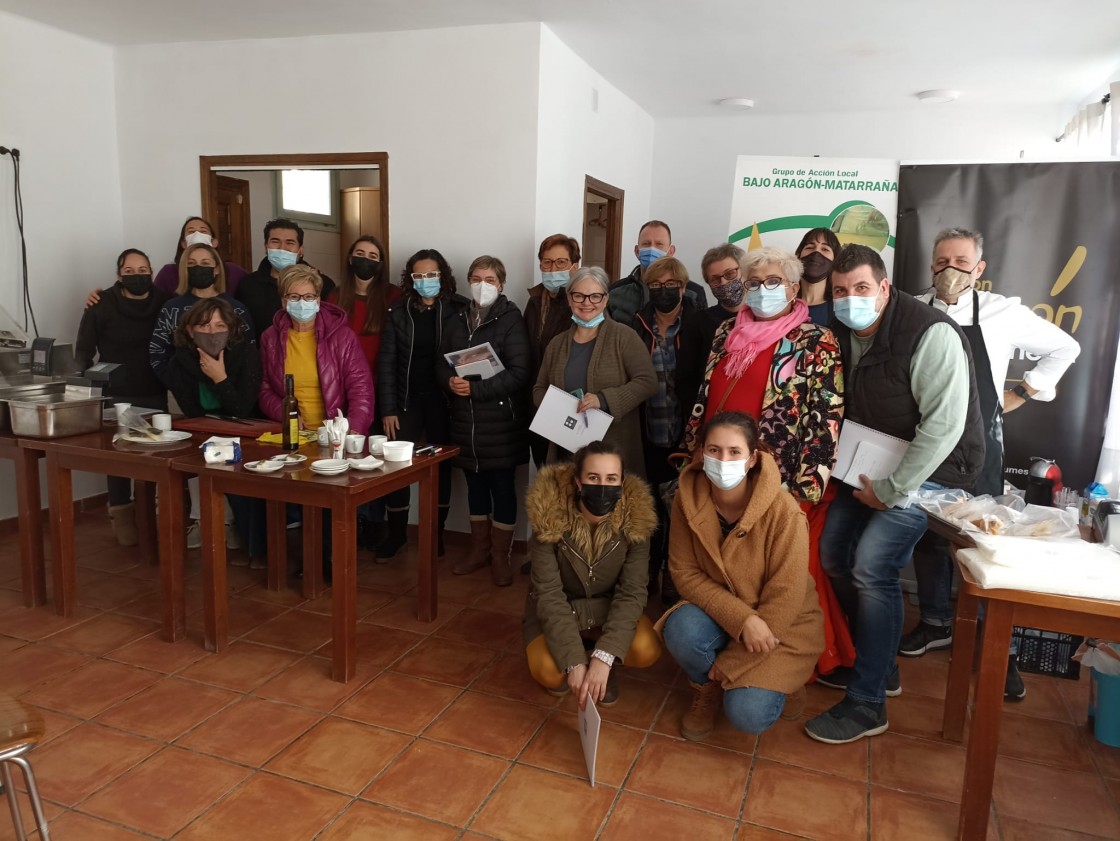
[675, 58]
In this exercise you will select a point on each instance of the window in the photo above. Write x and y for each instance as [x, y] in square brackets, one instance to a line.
[308, 196]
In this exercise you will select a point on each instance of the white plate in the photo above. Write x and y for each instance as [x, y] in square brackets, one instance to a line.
[330, 466]
[265, 466]
[172, 437]
[289, 458]
[367, 463]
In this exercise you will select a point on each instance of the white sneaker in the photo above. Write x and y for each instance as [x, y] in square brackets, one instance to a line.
[194, 535]
[233, 538]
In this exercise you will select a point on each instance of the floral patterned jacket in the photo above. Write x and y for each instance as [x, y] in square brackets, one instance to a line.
[801, 410]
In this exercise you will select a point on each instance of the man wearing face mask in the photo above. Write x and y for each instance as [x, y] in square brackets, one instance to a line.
[629, 294]
[995, 326]
[908, 373]
[258, 291]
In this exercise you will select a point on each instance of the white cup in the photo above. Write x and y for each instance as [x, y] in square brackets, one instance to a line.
[355, 443]
[121, 408]
[376, 442]
[162, 422]
[324, 437]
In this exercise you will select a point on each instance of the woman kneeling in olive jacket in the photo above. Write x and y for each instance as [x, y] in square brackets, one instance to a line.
[590, 564]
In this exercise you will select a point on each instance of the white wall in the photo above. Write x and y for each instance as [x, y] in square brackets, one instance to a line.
[694, 159]
[58, 109]
[614, 144]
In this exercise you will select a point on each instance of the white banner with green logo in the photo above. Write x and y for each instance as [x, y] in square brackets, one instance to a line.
[776, 200]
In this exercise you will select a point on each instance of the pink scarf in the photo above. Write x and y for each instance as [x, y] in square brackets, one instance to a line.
[749, 336]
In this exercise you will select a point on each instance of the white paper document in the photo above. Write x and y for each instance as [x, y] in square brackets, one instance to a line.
[480, 360]
[559, 422]
[589, 724]
[868, 452]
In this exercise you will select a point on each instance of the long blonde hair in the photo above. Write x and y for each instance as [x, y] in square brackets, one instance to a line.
[219, 279]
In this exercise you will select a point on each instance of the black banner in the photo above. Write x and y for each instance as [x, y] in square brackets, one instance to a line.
[1051, 237]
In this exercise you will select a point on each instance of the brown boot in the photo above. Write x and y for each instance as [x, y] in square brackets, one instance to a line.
[479, 555]
[795, 705]
[501, 542]
[123, 518]
[700, 720]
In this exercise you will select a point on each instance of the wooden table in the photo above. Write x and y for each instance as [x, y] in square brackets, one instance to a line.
[341, 494]
[96, 453]
[1003, 609]
[32, 571]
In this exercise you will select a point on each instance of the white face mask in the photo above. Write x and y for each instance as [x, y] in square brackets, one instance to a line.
[198, 237]
[484, 294]
[725, 474]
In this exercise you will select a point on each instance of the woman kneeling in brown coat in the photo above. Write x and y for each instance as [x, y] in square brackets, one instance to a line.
[750, 628]
[590, 564]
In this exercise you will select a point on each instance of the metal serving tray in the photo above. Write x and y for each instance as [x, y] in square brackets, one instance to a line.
[71, 411]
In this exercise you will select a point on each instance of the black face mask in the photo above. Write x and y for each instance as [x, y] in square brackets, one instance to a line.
[665, 300]
[817, 267]
[600, 500]
[200, 277]
[364, 268]
[137, 284]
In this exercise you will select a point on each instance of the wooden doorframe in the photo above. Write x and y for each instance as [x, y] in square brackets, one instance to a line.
[210, 165]
[615, 199]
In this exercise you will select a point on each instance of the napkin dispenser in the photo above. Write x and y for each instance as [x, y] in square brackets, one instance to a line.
[1106, 522]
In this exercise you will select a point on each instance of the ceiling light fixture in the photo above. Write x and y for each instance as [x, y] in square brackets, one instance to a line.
[737, 103]
[937, 97]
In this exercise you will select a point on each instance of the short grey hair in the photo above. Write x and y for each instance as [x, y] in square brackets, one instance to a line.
[723, 251]
[960, 233]
[790, 266]
[593, 272]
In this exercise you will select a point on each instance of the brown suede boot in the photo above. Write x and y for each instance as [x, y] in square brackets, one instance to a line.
[501, 542]
[795, 705]
[701, 717]
[479, 555]
[123, 518]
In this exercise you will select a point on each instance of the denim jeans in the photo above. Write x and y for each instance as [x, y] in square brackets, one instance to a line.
[862, 551]
[694, 639]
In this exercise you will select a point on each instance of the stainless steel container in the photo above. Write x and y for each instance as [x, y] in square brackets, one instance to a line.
[71, 412]
[24, 391]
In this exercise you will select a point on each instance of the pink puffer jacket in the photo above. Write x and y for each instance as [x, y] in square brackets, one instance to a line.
[344, 376]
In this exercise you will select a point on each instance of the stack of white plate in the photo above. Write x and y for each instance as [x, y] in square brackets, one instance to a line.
[330, 466]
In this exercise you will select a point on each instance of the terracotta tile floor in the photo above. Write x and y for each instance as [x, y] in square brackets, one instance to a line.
[443, 735]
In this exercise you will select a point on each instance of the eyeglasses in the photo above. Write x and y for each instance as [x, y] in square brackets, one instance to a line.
[474, 280]
[425, 276]
[580, 297]
[667, 284]
[558, 265]
[727, 277]
[310, 296]
[769, 283]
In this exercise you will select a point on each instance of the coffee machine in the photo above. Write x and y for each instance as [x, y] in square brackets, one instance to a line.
[1044, 481]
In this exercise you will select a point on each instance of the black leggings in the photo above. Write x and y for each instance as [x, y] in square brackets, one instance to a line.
[426, 421]
[492, 492]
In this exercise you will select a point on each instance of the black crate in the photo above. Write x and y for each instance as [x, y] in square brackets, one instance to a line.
[1047, 652]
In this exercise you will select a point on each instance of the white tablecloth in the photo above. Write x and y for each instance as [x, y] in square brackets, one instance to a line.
[1069, 567]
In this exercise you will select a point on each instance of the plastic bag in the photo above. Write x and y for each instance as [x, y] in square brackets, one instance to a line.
[1100, 655]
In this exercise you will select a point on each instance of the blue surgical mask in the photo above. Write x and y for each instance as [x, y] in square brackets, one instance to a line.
[765, 303]
[302, 311]
[555, 281]
[427, 288]
[648, 255]
[281, 259]
[855, 311]
[595, 322]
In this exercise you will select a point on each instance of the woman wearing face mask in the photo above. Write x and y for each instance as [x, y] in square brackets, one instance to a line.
[547, 314]
[589, 549]
[658, 326]
[817, 249]
[201, 276]
[773, 363]
[117, 329]
[216, 368]
[411, 404]
[196, 231]
[489, 416]
[749, 630]
[603, 363]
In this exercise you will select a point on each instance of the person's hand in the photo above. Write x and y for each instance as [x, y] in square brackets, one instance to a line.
[757, 637]
[460, 386]
[575, 679]
[93, 298]
[392, 425]
[588, 401]
[1011, 401]
[866, 495]
[594, 682]
[215, 369]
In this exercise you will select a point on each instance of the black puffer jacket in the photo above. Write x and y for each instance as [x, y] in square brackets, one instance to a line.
[492, 425]
[237, 392]
[395, 357]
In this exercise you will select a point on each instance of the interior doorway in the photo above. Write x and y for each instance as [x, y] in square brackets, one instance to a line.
[232, 219]
[602, 226]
